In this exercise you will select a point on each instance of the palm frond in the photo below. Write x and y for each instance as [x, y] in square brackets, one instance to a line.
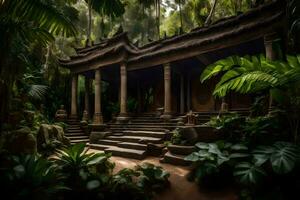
[37, 92]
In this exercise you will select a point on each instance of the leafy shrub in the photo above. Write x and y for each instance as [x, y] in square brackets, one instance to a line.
[251, 169]
[30, 177]
[215, 158]
[152, 178]
[81, 169]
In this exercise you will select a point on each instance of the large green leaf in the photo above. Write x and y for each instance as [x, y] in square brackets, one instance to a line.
[247, 173]
[282, 155]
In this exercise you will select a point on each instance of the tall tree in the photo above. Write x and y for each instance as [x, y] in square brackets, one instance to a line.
[110, 8]
[180, 4]
[23, 22]
[211, 13]
[157, 13]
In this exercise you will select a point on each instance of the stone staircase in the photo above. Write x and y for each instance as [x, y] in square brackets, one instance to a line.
[74, 132]
[131, 139]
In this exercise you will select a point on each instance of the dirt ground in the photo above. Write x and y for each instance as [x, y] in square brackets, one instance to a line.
[181, 188]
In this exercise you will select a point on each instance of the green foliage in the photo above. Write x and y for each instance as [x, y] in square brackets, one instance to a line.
[152, 178]
[282, 156]
[30, 177]
[212, 157]
[248, 174]
[176, 137]
[228, 122]
[251, 74]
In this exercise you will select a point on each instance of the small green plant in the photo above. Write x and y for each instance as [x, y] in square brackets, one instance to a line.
[153, 178]
[176, 137]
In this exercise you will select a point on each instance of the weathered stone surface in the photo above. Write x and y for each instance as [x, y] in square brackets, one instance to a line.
[96, 136]
[155, 149]
[47, 133]
[189, 134]
[208, 134]
[21, 141]
[180, 149]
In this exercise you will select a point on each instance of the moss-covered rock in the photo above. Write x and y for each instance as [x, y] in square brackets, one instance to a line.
[49, 133]
[21, 141]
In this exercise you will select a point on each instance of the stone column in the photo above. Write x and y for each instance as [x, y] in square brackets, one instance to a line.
[271, 54]
[182, 94]
[167, 80]
[74, 96]
[123, 92]
[269, 40]
[139, 96]
[188, 91]
[86, 99]
[98, 119]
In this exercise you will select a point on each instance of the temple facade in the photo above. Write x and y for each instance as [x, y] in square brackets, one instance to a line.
[165, 75]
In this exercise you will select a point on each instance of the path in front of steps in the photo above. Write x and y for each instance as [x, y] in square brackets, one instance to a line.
[181, 188]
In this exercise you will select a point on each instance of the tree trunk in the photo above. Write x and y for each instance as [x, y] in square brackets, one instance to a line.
[180, 12]
[46, 65]
[211, 13]
[89, 31]
[158, 18]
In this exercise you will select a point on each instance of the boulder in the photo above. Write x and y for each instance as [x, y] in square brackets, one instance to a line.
[21, 141]
[189, 135]
[96, 136]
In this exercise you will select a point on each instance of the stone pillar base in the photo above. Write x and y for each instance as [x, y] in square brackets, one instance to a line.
[166, 116]
[98, 118]
[73, 117]
[122, 118]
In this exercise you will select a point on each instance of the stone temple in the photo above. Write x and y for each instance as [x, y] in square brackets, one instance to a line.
[164, 79]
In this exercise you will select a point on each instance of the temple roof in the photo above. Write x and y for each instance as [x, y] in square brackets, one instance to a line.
[245, 27]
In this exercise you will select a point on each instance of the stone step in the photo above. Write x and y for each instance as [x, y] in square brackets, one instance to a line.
[180, 149]
[98, 146]
[74, 127]
[142, 140]
[148, 123]
[145, 133]
[75, 137]
[74, 131]
[130, 145]
[127, 153]
[108, 142]
[133, 126]
[79, 141]
[117, 129]
[175, 159]
[74, 134]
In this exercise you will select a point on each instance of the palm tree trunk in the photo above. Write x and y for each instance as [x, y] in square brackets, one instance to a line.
[211, 13]
[89, 31]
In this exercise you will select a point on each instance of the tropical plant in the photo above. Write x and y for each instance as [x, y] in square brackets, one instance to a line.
[215, 158]
[83, 171]
[258, 74]
[23, 23]
[283, 156]
[228, 124]
[176, 137]
[30, 177]
[293, 7]
[152, 178]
